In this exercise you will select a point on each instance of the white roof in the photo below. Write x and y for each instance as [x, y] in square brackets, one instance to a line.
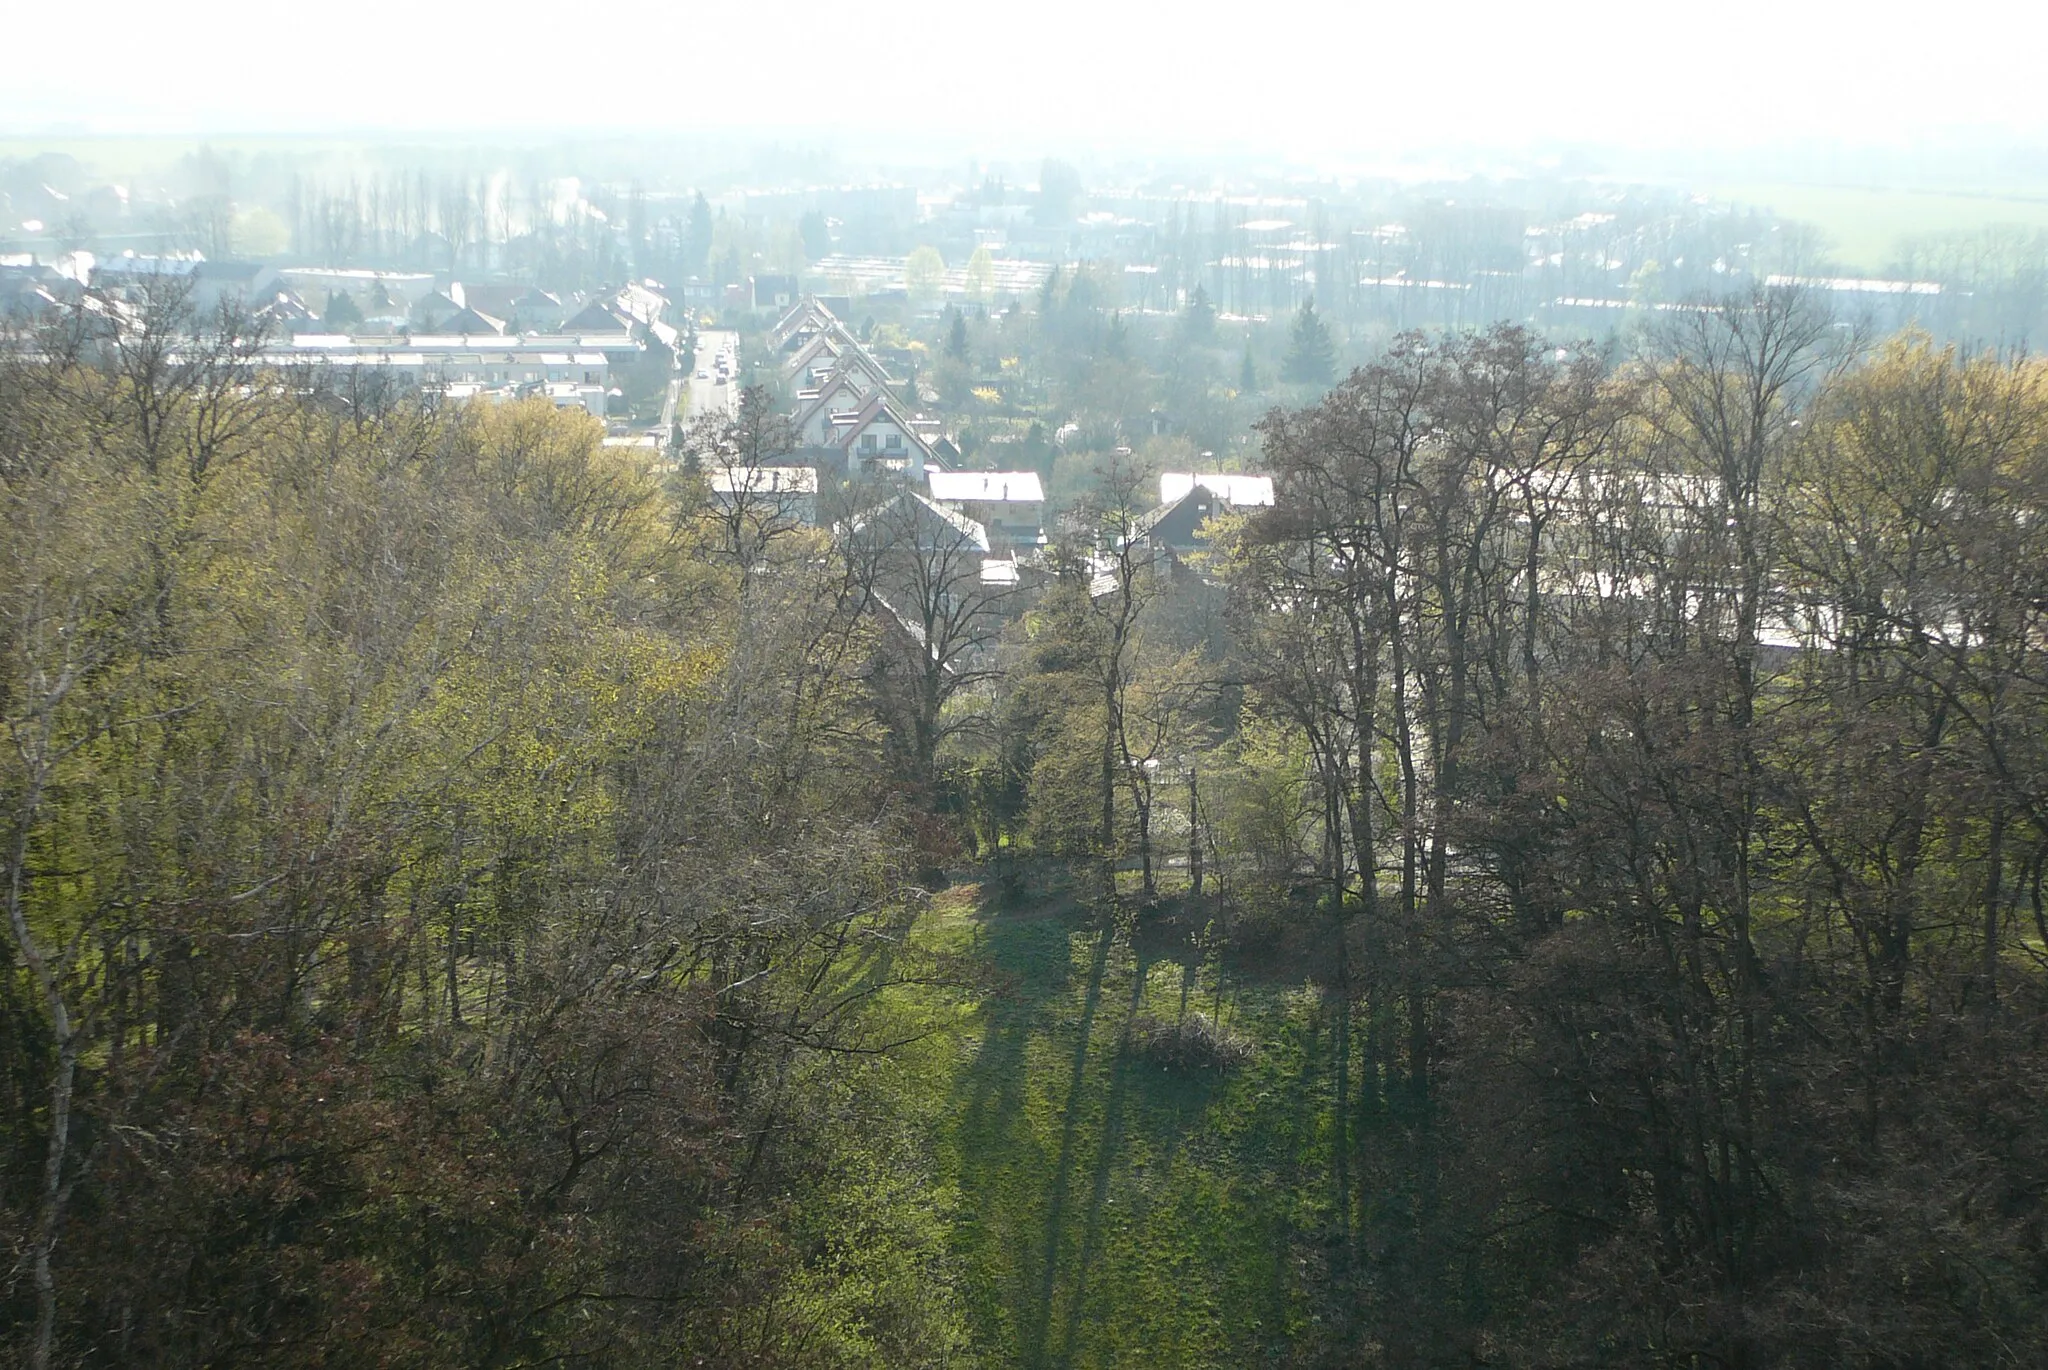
[1238, 489]
[1011, 487]
[1858, 285]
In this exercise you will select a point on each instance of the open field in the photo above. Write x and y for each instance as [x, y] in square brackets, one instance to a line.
[1864, 224]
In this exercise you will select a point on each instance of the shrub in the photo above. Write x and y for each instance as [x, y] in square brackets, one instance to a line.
[1193, 1043]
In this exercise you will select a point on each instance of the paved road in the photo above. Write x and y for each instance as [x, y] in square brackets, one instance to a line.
[708, 393]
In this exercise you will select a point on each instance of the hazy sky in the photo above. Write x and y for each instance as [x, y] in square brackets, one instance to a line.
[1315, 79]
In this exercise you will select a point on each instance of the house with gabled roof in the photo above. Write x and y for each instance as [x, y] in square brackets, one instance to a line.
[880, 436]
[840, 393]
[537, 311]
[640, 302]
[598, 316]
[495, 300]
[1177, 525]
[817, 357]
[284, 313]
[909, 514]
[469, 322]
[252, 283]
[859, 360]
[808, 316]
[431, 310]
[813, 355]
[835, 350]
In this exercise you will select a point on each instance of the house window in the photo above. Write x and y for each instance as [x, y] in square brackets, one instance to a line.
[867, 442]
[895, 442]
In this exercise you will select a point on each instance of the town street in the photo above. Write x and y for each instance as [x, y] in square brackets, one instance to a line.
[714, 379]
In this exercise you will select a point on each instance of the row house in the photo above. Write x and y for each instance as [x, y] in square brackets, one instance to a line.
[814, 343]
[878, 437]
[809, 317]
[841, 393]
[569, 371]
[827, 352]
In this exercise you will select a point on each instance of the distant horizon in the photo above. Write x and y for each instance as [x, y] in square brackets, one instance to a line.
[1324, 85]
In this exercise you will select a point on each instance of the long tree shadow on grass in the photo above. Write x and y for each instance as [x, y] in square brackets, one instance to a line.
[1063, 1172]
[1116, 1210]
[1106, 1150]
[1000, 1164]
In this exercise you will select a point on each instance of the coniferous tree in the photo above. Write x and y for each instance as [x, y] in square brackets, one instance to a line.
[1198, 319]
[341, 312]
[697, 239]
[1311, 358]
[1117, 342]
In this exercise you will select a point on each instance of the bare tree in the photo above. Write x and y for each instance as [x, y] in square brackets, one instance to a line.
[926, 571]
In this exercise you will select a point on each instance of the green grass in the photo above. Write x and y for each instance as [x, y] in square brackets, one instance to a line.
[1864, 224]
[1108, 1211]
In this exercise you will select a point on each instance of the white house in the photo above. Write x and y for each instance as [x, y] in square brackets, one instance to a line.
[840, 393]
[786, 492]
[1010, 504]
[879, 435]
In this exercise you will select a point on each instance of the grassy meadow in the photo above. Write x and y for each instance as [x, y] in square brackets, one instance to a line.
[1107, 1209]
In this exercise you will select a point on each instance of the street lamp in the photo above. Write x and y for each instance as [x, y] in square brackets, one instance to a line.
[1146, 770]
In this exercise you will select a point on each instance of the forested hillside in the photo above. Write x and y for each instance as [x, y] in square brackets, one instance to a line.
[1562, 886]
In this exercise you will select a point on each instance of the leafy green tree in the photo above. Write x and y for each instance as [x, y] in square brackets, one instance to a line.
[981, 272]
[420, 928]
[924, 273]
[1248, 372]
